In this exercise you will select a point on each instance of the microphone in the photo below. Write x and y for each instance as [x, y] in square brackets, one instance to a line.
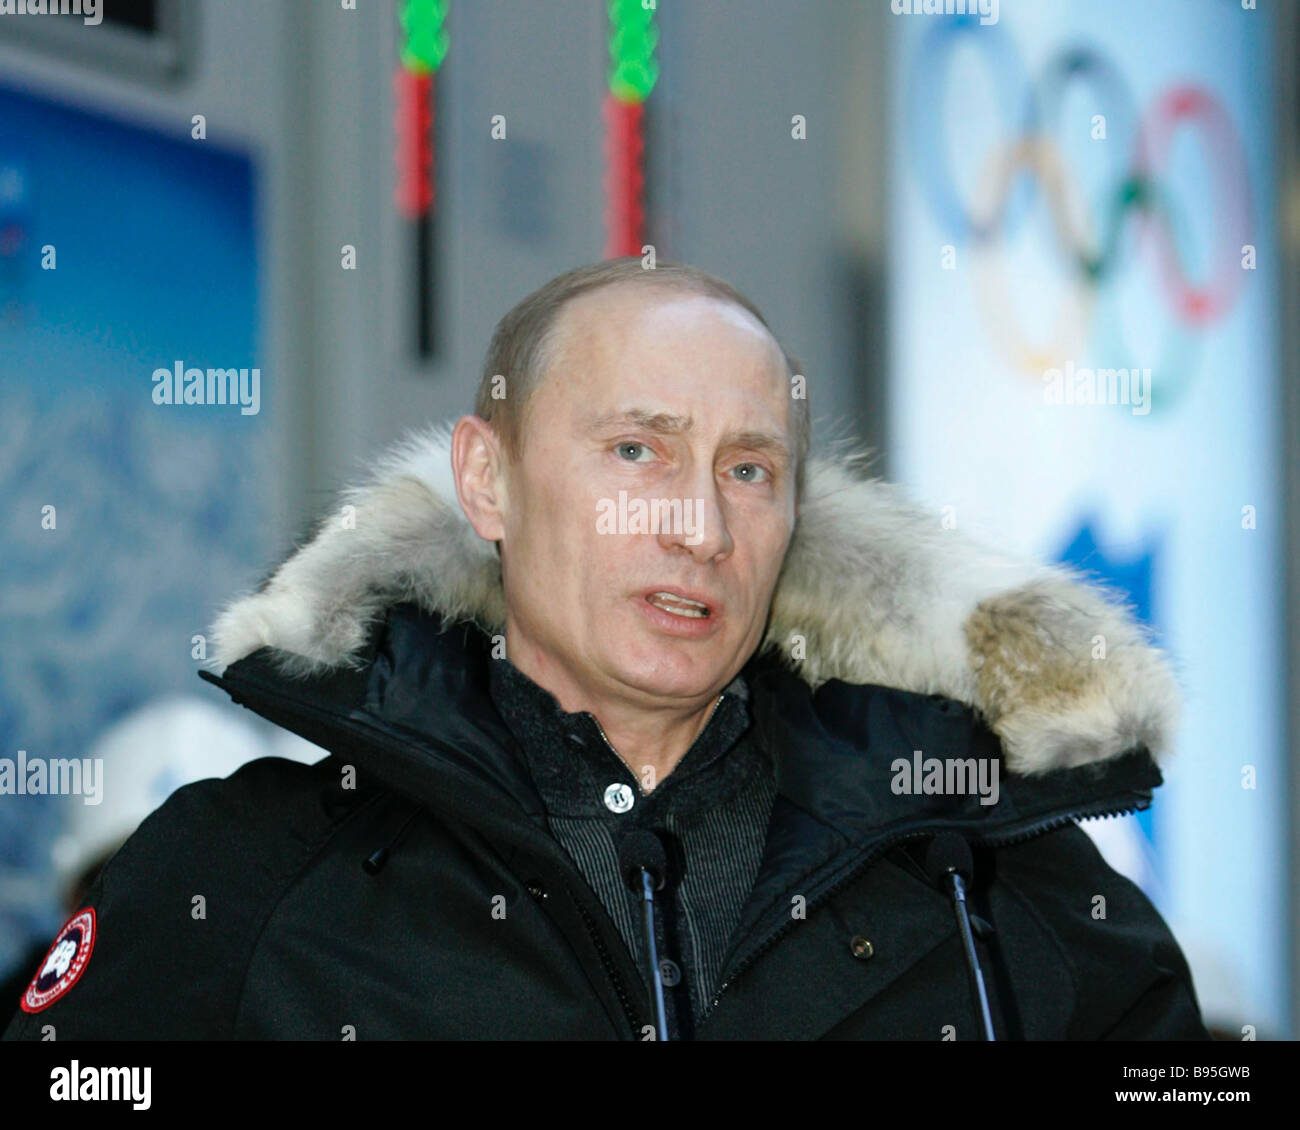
[949, 864]
[643, 864]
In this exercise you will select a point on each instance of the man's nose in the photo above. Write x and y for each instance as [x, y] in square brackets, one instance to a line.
[702, 529]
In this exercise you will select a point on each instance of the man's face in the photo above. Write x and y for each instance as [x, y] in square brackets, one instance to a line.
[665, 407]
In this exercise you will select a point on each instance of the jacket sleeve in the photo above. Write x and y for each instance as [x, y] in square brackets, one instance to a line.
[176, 913]
[1131, 980]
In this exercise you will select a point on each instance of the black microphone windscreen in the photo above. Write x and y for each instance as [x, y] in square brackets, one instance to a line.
[640, 849]
[948, 852]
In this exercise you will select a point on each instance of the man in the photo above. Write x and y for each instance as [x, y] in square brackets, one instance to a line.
[622, 597]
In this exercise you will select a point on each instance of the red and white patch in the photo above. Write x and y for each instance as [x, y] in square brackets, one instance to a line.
[64, 964]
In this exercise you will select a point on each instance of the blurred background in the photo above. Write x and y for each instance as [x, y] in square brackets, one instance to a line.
[1041, 255]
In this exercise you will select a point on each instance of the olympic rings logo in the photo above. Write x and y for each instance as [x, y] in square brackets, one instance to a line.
[1093, 256]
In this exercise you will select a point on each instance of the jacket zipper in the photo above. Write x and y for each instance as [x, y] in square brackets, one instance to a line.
[1035, 828]
[607, 962]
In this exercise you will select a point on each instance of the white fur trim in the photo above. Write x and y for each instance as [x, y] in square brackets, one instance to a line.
[877, 589]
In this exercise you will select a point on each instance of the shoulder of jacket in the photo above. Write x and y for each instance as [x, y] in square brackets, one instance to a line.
[245, 831]
[270, 797]
[179, 907]
[1067, 880]
[1105, 929]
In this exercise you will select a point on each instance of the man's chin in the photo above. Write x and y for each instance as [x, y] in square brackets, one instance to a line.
[668, 674]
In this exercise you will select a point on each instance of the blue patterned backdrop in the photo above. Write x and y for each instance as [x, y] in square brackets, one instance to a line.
[159, 509]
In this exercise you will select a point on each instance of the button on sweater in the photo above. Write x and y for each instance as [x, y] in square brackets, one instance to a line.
[711, 812]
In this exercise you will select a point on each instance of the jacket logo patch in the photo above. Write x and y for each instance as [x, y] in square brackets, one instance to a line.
[64, 964]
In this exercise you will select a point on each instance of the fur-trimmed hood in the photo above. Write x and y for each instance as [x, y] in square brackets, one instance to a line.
[873, 590]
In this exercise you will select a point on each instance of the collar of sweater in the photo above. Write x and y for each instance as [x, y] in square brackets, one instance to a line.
[574, 765]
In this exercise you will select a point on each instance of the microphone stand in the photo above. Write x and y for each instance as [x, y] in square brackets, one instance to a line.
[656, 976]
[644, 865]
[949, 862]
[978, 996]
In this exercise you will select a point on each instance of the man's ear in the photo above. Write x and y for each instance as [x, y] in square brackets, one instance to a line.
[477, 466]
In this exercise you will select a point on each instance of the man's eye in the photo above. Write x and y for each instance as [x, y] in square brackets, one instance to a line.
[623, 448]
[755, 473]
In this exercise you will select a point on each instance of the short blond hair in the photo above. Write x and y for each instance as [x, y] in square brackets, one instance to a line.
[524, 343]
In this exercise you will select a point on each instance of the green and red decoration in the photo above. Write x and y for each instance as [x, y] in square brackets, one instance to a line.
[424, 45]
[632, 73]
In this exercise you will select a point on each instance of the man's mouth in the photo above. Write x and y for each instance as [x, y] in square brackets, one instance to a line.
[679, 605]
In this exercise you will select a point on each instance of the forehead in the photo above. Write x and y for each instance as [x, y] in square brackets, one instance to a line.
[671, 344]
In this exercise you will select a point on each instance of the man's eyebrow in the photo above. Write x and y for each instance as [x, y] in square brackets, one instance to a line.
[662, 423]
[665, 423]
[760, 441]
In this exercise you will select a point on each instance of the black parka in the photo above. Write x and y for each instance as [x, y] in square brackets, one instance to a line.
[406, 886]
